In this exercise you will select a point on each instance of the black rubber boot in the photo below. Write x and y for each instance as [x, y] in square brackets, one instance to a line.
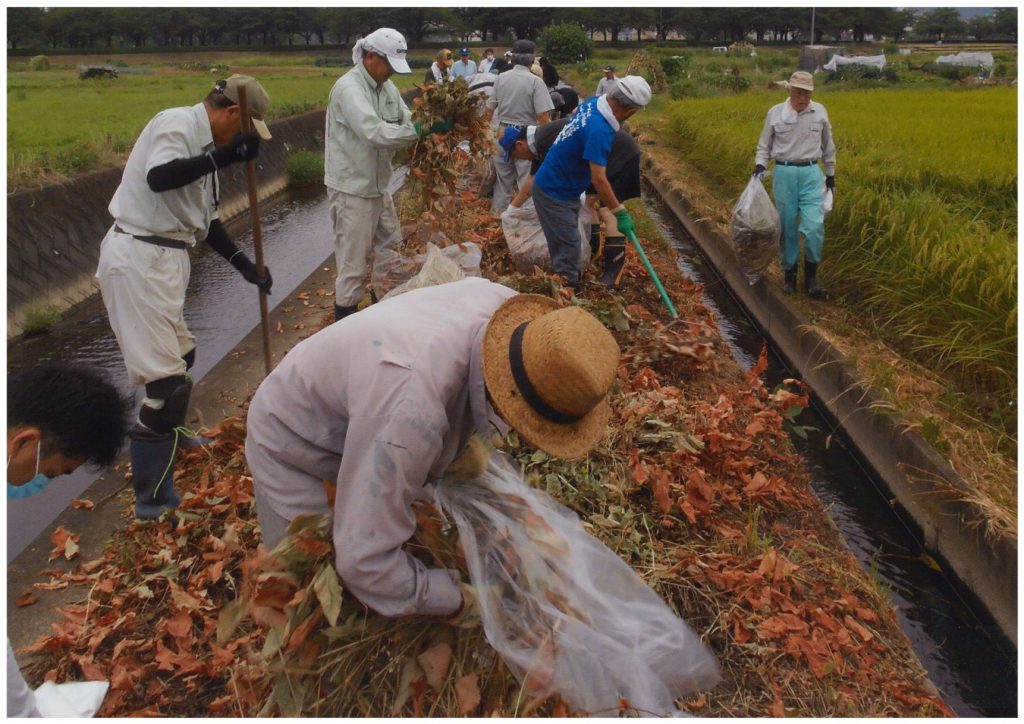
[153, 459]
[789, 287]
[614, 261]
[811, 281]
[342, 312]
[595, 239]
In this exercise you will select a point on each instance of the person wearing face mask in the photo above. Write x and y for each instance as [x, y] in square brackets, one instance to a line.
[59, 416]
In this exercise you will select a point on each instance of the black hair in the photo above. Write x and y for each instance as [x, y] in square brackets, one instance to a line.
[491, 51]
[78, 410]
[551, 76]
[216, 96]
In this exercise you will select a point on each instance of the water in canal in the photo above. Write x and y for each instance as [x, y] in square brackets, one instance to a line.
[966, 656]
[221, 308]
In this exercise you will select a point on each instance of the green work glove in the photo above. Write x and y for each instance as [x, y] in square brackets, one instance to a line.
[439, 127]
[625, 222]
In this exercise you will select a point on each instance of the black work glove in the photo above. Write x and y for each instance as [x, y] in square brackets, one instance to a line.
[242, 147]
[249, 273]
[830, 182]
[758, 169]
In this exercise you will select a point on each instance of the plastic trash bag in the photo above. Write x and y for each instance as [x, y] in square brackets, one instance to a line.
[526, 240]
[827, 200]
[566, 614]
[74, 699]
[391, 269]
[755, 230]
[438, 268]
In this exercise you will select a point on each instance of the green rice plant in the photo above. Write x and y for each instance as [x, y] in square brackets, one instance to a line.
[922, 238]
[305, 168]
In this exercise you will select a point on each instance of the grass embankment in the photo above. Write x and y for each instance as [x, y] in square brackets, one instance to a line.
[920, 252]
[696, 486]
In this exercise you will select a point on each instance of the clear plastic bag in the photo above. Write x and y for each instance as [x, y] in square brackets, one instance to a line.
[438, 268]
[526, 240]
[755, 230]
[391, 269]
[566, 614]
[827, 200]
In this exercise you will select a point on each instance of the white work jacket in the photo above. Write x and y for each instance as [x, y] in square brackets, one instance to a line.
[366, 124]
[791, 136]
[381, 402]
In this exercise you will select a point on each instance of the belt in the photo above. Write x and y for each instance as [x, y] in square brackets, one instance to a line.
[157, 240]
[796, 163]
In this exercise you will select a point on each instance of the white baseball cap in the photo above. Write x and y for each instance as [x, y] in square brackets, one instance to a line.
[391, 43]
[636, 89]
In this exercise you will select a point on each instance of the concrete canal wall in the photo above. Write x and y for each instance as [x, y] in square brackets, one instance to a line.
[54, 233]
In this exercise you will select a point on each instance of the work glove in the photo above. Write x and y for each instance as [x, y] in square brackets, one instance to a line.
[830, 182]
[468, 615]
[242, 147]
[251, 275]
[758, 169]
[624, 222]
[441, 126]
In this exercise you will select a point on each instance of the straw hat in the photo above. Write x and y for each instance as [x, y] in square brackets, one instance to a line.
[548, 370]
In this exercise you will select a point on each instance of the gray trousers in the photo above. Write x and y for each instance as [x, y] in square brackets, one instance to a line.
[560, 222]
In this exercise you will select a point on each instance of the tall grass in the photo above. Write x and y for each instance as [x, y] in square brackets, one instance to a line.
[923, 236]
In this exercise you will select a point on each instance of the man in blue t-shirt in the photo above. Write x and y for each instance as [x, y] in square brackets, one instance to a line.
[577, 159]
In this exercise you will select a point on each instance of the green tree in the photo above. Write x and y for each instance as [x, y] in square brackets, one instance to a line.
[982, 27]
[1004, 21]
[940, 24]
[565, 43]
[24, 25]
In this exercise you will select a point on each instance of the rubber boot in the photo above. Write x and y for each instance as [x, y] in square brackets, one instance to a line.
[614, 261]
[153, 459]
[811, 281]
[595, 239]
[789, 286]
[342, 312]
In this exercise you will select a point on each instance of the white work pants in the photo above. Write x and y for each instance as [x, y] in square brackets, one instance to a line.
[143, 288]
[508, 176]
[361, 225]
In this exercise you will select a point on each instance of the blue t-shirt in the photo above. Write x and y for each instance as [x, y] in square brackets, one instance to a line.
[586, 138]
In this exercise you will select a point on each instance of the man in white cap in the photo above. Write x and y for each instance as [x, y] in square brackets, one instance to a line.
[520, 98]
[167, 200]
[606, 83]
[578, 159]
[797, 134]
[367, 122]
[383, 402]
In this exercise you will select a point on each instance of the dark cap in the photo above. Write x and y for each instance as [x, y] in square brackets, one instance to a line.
[610, 67]
[524, 46]
[464, 51]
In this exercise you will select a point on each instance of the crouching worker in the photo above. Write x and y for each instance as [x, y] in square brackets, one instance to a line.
[385, 400]
[167, 200]
[59, 416]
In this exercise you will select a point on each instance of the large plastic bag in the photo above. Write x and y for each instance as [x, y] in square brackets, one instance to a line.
[755, 230]
[391, 269]
[526, 240]
[827, 201]
[565, 613]
[438, 268]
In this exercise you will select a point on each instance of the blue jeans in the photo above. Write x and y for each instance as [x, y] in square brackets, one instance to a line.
[799, 191]
[560, 222]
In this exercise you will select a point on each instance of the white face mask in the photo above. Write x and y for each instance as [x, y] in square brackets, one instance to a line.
[33, 486]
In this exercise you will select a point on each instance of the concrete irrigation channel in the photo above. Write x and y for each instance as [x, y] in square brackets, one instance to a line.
[899, 461]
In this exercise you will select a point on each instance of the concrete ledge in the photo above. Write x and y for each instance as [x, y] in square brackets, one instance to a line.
[917, 476]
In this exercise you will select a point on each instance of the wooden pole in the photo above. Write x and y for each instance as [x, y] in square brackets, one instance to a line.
[257, 239]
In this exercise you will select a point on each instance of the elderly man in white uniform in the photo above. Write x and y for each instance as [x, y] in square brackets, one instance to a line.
[384, 401]
[367, 123]
[166, 201]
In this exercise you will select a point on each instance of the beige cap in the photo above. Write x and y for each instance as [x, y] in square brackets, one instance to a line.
[802, 79]
[256, 97]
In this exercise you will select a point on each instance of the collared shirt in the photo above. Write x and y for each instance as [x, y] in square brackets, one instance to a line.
[485, 65]
[184, 213]
[366, 124]
[586, 138]
[789, 136]
[519, 97]
[463, 68]
[605, 85]
[382, 403]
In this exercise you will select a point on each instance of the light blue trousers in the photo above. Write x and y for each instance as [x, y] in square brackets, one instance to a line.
[799, 191]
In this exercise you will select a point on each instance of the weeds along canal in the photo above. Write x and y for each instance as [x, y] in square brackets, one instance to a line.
[221, 308]
[966, 656]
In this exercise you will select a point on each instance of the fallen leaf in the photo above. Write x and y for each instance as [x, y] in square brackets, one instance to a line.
[180, 625]
[435, 662]
[467, 694]
[27, 598]
[65, 543]
[82, 504]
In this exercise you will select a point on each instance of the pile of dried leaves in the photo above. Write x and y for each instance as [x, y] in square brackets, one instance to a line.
[696, 486]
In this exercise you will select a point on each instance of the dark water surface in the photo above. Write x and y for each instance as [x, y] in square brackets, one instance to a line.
[966, 656]
[221, 308]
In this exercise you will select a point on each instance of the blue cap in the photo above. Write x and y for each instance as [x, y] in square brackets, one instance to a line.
[464, 51]
[508, 139]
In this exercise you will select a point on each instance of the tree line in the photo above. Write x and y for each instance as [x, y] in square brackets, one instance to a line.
[113, 27]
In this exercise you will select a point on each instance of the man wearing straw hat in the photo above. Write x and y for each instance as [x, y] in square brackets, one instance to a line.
[367, 122]
[167, 200]
[384, 401]
[797, 133]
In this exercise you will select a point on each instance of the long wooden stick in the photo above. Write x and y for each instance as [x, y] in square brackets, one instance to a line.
[257, 239]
